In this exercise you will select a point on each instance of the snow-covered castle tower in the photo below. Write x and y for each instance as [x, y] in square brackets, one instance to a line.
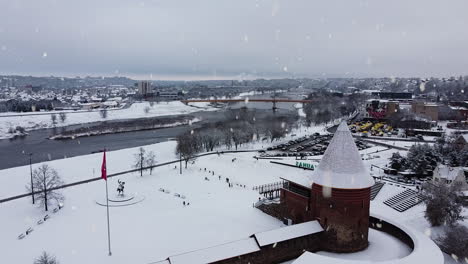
[340, 195]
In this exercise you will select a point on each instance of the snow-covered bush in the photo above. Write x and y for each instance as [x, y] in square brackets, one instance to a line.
[443, 203]
[63, 117]
[422, 158]
[20, 129]
[398, 162]
[455, 242]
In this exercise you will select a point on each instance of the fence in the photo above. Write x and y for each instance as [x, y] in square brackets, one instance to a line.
[270, 190]
[120, 173]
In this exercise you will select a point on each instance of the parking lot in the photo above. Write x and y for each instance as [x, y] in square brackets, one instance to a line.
[312, 145]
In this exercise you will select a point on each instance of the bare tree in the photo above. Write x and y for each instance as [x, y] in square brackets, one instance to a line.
[140, 160]
[53, 117]
[227, 139]
[150, 161]
[45, 179]
[20, 129]
[210, 139]
[63, 117]
[146, 109]
[103, 113]
[455, 241]
[443, 203]
[46, 258]
[187, 147]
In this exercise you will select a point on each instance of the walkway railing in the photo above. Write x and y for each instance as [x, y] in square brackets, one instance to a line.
[121, 173]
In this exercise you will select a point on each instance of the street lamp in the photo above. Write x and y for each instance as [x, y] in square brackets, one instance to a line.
[30, 170]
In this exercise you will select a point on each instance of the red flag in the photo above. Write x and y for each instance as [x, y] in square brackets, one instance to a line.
[104, 167]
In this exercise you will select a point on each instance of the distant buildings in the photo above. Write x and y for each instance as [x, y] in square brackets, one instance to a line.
[394, 95]
[144, 88]
[461, 142]
[380, 109]
[430, 110]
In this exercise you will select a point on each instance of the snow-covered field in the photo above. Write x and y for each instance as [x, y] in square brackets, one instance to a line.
[136, 110]
[160, 225]
[157, 227]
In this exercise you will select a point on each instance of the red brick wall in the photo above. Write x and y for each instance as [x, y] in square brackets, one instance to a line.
[296, 206]
[345, 217]
[279, 252]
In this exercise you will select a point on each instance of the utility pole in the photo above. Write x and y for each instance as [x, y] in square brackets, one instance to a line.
[30, 170]
[180, 162]
[141, 164]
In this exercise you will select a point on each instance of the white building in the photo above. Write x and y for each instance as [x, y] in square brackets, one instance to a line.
[450, 175]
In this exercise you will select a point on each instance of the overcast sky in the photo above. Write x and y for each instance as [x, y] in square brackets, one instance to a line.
[216, 39]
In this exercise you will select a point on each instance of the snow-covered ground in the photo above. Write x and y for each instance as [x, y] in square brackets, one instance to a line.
[160, 226]
[136, 110]
[381, 247]
[157, 227]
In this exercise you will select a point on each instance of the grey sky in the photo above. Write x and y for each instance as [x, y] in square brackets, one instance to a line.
[186, 39]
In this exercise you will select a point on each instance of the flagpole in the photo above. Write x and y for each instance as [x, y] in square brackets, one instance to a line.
[104, 176]
[108, 225]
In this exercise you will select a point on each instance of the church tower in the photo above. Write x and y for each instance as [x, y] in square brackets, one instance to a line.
[340, 195]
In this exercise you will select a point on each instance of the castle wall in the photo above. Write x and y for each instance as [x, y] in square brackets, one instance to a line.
[296, 205]
[279, 252]
[344, 215]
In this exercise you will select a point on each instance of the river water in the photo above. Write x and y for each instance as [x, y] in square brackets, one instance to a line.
[13, 152]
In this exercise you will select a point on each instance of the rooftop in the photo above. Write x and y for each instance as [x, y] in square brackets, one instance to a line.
[288, 232]
[341, 165]
[217, 253]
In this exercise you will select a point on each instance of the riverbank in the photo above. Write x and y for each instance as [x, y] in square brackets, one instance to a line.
[8, 124]
[126, 126]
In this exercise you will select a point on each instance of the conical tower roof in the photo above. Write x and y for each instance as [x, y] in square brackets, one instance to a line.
[341, 165]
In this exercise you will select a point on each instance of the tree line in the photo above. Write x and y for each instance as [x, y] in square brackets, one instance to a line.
[240, 127]
[423, 158]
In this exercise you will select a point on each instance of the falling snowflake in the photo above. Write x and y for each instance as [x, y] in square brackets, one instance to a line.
[427, 232]
[285, 69]
[44, 55]
[422, 86]
[275, 8]
[277, 34]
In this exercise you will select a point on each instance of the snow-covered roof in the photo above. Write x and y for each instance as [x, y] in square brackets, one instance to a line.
[465, 136]
[162, 262]
[446, 172]
[298, 179]
[341, 165]
[217, 253]
[288, 232]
